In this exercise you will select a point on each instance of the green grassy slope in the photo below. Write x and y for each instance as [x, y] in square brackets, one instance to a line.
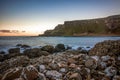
[106, 25]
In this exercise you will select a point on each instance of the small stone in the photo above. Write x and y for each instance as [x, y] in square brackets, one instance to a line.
[63, 70]
[91, 63]
[70, 60]
[105, 58]
[110, 71]
[42, 68]
[54, 66]
[75, 76]
[72, 65]
[54, 74]
[116, 77]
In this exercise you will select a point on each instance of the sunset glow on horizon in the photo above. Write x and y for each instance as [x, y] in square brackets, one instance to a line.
[33, 17]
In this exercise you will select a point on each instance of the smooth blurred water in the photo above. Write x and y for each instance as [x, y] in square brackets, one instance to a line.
[8, 42]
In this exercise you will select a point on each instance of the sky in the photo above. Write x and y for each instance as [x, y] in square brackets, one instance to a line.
[33, 17]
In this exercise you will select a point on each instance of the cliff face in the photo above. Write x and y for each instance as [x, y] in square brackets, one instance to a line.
[108, 25]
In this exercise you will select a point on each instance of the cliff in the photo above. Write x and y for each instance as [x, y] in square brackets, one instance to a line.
[101, 26]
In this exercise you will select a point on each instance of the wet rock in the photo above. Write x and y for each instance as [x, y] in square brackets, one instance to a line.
[75, 76]
[8, 56]
[2, 52]
[88, 47]
[27, 73]
[79, 48]
[59, 47]
[109, 47]
[14, 62]
[1, 57]
[14, 50]
[19, 45]
[25, 46]
[53, 75]
[68, 48]
[48, 48]
[36, 52]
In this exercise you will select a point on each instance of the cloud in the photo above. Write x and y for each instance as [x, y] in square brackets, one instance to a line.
[5, 31]
[11, 31]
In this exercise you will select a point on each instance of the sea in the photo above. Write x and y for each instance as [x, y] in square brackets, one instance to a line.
[75, 42]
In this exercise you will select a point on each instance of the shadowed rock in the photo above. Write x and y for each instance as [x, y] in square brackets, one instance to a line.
[14, 50]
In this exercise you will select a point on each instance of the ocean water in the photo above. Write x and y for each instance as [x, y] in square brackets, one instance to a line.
[74, 42]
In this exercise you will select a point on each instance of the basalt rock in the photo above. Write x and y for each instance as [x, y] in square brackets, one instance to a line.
[36, 52]
[1, 57]
[14, 50]
[23, 45]
[59, 48]
[8, 56]
[2, 52]
[48, 48]
[109, 47]
[68, 65]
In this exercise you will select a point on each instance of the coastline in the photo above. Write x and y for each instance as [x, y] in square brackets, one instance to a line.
[83, 35]
[100, 62]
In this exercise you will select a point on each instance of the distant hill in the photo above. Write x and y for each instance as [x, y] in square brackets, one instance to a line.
[93, 27]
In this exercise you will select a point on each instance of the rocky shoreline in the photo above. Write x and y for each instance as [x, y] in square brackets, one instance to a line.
[102, 62]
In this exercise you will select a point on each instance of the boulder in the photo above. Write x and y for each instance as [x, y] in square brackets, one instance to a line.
[48, 48]
[14, 50]
[1, 57]
[109, 47]
[8, 56]
[19, 45]
[2, 52]
[59, 47]
[23, 45]
[36, 52]
[27, 73]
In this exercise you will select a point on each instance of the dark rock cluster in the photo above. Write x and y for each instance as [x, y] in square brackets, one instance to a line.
[65, 65]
